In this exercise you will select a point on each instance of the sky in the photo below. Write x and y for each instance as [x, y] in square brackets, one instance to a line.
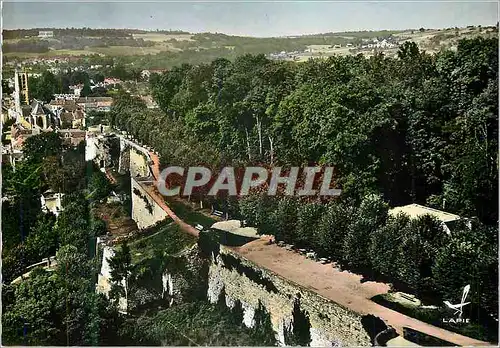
[257, 18]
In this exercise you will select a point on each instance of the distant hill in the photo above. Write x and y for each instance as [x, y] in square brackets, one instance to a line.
[87, 32]
[165, 48]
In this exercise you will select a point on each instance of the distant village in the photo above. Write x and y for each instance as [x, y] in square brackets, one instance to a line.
[65, 113]
[366, 46]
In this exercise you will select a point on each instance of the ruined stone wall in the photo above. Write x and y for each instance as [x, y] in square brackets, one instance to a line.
[138, 164]
[145, 211]
[104, 282]
[133, 159]
[331, 324]
[185, 276]
[90, 147]
[124, 161]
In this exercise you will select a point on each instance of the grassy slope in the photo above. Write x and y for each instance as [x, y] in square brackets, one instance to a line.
[169, 239]
[189, 215]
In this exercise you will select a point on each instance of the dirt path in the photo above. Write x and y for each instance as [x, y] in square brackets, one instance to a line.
[151, 190]
[342, 287]
[110, 176]
[156, 165]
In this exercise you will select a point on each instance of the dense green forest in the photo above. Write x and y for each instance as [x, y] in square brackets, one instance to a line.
[419, 128]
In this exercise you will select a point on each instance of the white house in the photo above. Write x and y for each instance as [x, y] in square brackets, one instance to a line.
[417, 210]
[45, 34]
[52, 202]
[146, 74]
[382, 44]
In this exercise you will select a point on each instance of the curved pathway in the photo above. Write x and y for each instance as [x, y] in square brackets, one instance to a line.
[158, 198]
[150, 186]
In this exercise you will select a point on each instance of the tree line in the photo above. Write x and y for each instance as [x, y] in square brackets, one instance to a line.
[29, 46]
[47, 84]
[81, 43]
[22, 33]
[90, 32]
[44, 87]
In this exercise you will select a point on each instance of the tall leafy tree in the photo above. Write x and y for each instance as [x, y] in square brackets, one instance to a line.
[332, 229]
[43, 240]
[308, 216]
[469, 258]
[40, 146]
[285, 216]
[371, 214]
[44, 87]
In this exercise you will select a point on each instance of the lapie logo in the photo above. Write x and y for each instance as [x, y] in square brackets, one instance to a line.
[458, 308]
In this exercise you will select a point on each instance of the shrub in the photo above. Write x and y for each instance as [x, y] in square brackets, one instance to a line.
[99, 186]
[257, 210]
[332, 229]
[371, 214]
[420, 243]
[308, 217]
[285, 217]
[386, 243]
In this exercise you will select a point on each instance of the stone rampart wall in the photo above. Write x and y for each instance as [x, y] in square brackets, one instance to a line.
[331, 324]
[145, 211]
